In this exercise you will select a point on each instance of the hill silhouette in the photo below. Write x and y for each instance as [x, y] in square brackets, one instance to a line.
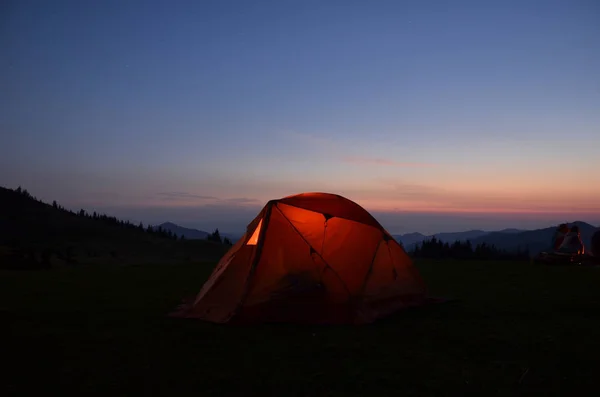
[508, 240]
[196, 234]
[497, 245]
[534, 241]
[410, 240]
[34, 234]
[188, 233]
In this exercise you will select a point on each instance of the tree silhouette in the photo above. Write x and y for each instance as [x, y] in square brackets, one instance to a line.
[215, 236]
[437, 249]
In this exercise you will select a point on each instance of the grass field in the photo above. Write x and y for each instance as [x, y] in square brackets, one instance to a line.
[514, 329]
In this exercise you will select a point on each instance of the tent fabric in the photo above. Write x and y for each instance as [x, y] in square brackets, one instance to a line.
[310, 258]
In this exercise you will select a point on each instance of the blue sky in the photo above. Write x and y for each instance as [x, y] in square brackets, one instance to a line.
[435, 115]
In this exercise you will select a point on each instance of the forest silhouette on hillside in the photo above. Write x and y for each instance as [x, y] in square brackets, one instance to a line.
[34, 234]
[464, 250]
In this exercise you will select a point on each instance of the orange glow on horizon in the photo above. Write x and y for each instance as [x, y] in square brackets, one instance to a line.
[387, 196]
[473, 206]
[478, 208]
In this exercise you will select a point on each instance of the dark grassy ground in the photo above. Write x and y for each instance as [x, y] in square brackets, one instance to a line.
[515, 329]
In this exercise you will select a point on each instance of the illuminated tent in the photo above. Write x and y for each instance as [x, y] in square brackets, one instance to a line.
[310, 258]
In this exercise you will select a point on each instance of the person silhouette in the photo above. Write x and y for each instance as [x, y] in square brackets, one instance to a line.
[559, 236]
[572, 243]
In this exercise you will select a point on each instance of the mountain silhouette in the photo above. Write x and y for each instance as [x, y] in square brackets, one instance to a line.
[196, 234]
[507, 239]
[533, 240]
[511, 230]
[409, 240]
[188, 233]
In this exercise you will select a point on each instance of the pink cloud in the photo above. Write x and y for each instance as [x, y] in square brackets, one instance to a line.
[182, 199]
[405, 197]
[384, 162]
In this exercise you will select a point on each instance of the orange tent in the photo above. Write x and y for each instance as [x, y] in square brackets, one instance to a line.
[311, 258]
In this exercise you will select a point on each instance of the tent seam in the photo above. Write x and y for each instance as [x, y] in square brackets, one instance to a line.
[317, 252]
[370, 271]
[378, 225]
[256, 259]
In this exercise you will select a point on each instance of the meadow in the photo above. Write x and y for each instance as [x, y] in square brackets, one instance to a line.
[512, 329]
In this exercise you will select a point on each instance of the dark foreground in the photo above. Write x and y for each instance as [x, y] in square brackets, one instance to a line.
[515, 329]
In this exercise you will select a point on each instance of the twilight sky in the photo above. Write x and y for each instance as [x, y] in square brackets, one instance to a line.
[433, 115]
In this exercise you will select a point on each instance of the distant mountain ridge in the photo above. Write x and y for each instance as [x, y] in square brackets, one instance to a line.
[188, 233]
[409, 240]
[507, 239]
[534, 240]
[194, 234]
